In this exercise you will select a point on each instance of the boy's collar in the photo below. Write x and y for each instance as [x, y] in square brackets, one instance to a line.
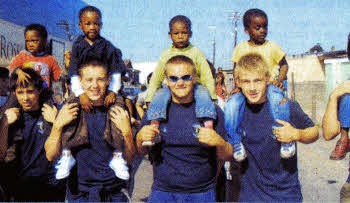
[38, 54]
[186, 48]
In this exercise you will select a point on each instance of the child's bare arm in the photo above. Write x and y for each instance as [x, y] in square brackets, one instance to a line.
[283, 70]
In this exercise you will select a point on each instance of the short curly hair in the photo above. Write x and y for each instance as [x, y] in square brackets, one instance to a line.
[254, 12]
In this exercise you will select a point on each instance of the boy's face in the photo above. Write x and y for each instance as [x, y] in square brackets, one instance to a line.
[94, 80]
[90, 24]
[257, 30]
[34, 43]
[4, 86]
[181, 90]
[180, 34]
[254, 86]
[28, 98]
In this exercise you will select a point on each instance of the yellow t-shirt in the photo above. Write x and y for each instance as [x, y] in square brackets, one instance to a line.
[204, 75]
[270, 51]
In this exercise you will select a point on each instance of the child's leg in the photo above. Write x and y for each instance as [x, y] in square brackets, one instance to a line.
[341, 147]
[159, 104]
[205, 107]
[345, 190]
[234, 110]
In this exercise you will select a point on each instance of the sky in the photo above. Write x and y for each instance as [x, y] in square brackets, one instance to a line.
[140, 27]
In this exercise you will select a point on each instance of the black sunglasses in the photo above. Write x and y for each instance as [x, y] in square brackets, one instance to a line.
[185, 78]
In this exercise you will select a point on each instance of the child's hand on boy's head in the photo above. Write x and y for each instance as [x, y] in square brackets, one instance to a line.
[49, 113]
[110, 99]
[22, 78]
[278, 84]
[85, 102]
[12, 115]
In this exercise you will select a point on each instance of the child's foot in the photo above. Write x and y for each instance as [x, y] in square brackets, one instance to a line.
[64, 165]
[287, 150]
[156, 139]
[119, 166]
[239, 152]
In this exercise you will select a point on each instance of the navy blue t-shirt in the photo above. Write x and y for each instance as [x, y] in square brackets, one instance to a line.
[180, 163]
[33, 162]
[92, 169]
[266, 176]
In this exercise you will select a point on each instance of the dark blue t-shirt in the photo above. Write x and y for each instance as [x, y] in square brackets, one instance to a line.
[92, 169]
[180, 163]
[266, 176]
[33, 162]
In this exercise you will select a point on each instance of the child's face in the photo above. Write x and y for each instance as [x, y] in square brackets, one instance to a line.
[34, 43]
[257, 30]
[90, 24]
[180, 34]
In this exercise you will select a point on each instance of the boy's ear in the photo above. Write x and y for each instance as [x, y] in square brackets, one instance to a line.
[80, 26]
[246, 31]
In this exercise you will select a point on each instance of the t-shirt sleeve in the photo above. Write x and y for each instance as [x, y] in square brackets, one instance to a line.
[278, 53]
[298, 117]
[115, 60]
[16, 62]
[235, 55]
[220, 123]
[74, 62]
[56, 70]
[206, 76]
[156, 79]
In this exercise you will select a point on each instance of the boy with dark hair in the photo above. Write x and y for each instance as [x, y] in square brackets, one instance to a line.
[88, 47]
[24, 131]
[255, 25]
[35, 55]
[78, 137]
[106, 129]
[4, 85]
[180, 32]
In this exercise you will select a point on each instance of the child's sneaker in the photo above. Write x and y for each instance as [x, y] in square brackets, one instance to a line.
[239, 152]
[119, 166]
[64, 165]
[287, 150]
[156, 139]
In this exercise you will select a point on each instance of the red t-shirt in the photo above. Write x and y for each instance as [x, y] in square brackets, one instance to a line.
[45, 65]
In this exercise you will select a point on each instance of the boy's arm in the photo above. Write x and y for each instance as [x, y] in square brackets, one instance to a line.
[116, 68]
[330, 122]
[287, 133]
[53, 143]
[283, 70]
[156, 79]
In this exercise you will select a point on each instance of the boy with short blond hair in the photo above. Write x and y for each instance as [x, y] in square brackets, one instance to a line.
[264, 169]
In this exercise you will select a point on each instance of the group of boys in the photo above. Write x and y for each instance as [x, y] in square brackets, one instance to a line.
[81, 151]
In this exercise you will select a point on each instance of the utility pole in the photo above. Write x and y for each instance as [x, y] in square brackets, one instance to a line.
[235, 19]
[65, 24]
[214, 28]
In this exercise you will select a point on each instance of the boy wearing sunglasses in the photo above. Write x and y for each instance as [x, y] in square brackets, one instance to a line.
[185, 161]
[180, 33]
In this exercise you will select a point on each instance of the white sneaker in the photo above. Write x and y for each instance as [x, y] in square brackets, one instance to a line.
[64, 165]
[287, 150]
[119, 166]
[239, 152]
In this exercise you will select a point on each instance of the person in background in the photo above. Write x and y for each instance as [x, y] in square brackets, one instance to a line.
[337, 120]
[4, 85]
[141, 105]
[221, 90]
